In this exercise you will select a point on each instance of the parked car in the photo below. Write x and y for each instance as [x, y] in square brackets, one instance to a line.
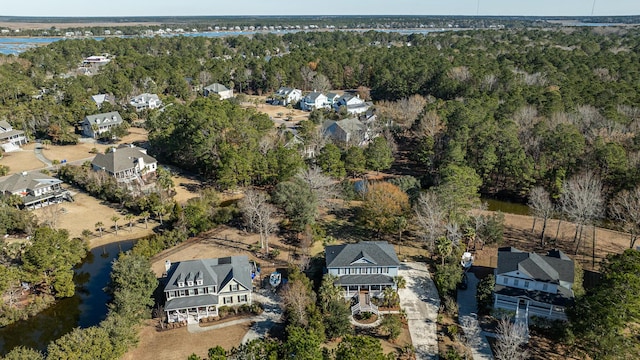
[462, 285]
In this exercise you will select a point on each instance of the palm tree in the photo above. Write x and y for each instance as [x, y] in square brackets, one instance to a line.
[99, 225]
[86, 234]
[115, 219]
[145, 215]
[129, 218]
[400, 282]
[159, 211]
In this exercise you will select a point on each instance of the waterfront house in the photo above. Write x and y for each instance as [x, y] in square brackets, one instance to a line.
[220, 90]
[532, 284]
[196, 289]
[34, 189]
[127, 163]
[94, 125]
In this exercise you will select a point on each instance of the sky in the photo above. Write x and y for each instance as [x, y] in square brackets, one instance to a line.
[301, 7]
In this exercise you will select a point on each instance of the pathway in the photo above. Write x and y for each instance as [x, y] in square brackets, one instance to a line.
[467, 306]
[40, 156]
[264, 322]
[421, 302]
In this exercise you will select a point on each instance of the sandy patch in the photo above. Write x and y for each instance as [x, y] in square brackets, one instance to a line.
[186, 187]
[84, 213]
[179, 344]
[276, 112]
[23, 160]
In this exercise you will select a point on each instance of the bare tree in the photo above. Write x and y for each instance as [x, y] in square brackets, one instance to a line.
[404, 111]
[307, 76]
[471, 330]
[479, 222]
[321, 185]
[258, 214]
[625, 208]
[541, 207]
[295, 299]
[510, 340]
[582, 201]
[429, 217]
[321, 83]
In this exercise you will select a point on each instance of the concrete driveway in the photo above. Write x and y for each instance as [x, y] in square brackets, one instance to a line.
[467, 305]
[421, 302]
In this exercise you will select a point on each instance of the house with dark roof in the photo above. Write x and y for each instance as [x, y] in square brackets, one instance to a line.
[353, 104]
[34, 189]
[364, 270]
[94, 125]
[532, 284]
[286, 95]
[218, 89]
[196, 289]
[348, 131]
[313, 100]
[127, 163]
[11, 139]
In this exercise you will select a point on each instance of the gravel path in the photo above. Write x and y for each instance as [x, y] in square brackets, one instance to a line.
[264, 322]
[467, 306]
[421, 302]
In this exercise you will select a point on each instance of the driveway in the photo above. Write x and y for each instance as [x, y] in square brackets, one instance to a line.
[271, 315]
[421, 302]
[468, 305]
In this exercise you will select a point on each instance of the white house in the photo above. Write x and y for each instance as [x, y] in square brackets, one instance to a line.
[353, 103]
[313, 100]
[96, 60]
[220, 90]
[11, 139]
[35, 189]
[286, 95]
[196, 289]
[145, 101]
[94, 125]
[126, 163]
[532, 284]
[363, 270]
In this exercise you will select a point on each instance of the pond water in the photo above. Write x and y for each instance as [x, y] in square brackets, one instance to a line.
[506, 207]
[86, 308]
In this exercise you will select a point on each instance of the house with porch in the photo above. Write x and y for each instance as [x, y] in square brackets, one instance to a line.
[126, 163]
[350, 131]
[145, 101]
[364, 270]
[218, 89]
[353, 104]
[94, 125]
[196, 289]
[286, 95]
[11, 139]
[34, 189]
[313, 100]
[532, 284]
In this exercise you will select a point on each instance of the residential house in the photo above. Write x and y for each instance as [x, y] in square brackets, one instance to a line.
[127, 163]
[196, 289]
[145, 101]
[353, 104]
[286, 95]
[364, 270]
[11, 139]
[294, 141]
[220, 90]
[348, 131]
[96, 60]
[532, 284]
[332, 98]
[94, 125]
[99, 99]
[314, 100]
[35, 189]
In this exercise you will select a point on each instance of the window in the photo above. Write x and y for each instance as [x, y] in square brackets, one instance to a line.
[234, 287]
[199, 282]
[242, 298]
[505, 280]
[516, 282]
[180, 283]
[228, 300]
[190, 283]
[526, 284]
[545, 287]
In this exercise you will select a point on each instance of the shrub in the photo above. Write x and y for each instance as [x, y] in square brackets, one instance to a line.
[391, 326]
[450, 306]
[484, 294]
[452, 330]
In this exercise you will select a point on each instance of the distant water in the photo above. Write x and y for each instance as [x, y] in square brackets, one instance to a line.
[16, 45]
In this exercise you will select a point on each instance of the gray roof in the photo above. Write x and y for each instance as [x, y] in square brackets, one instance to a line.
[562, 298]
[10, 133]
[5, 126]
[332, 95]
[28, 181]
[553, 268]
[313, 96]
[121, 159]
[367, 279]
[99, 99]
[285, 90]
[112, 117]
[216, 88]
[362, 254]
[218, 271]
[190, 301]
[351, 126]
[144, 98]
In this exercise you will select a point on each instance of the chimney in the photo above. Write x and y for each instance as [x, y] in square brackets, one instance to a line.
[167, 266]
[140, 163]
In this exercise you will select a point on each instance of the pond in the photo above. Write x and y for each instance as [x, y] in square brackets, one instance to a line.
[86, 308]
[506, 207]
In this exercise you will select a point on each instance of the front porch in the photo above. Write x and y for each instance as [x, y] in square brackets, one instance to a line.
[191, 315]
[524, 307]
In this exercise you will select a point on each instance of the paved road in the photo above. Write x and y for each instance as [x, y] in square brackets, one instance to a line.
[467, 305]
[38, 152]
[421, 302]
[264, 322]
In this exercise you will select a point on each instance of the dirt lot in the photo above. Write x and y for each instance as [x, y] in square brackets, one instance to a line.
[274, 111]
[23, 160]
[179, 344]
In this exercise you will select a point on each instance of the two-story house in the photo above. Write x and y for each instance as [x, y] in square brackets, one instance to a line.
[145, 101]
[313, 100]
[196, 289]
[11, 139]
[218, 89]
[94, 125]
[352, 103]
[286, 95]
[364, 269]
[127, 163]
[35, 189]
[532, 284]
[348, 131]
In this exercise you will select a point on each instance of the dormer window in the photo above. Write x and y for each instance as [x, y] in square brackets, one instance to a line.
[190, 283]
[199, 278]
[199, 282]
[190, 279]
[180, 281]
